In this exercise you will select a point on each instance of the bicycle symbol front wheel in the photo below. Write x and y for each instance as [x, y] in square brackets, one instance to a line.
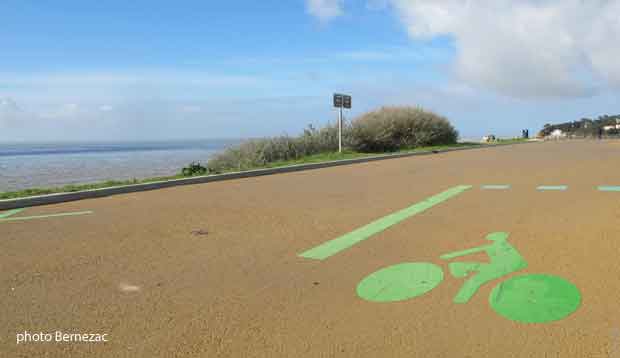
[535, 298]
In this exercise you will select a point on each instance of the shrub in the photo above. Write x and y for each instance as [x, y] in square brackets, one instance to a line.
[395, 128]
[259, 152]
[194, 168]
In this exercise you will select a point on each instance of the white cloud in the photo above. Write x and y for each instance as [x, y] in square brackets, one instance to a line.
[10, 112]
[119, 85]
[325, 10]
[8, 105]
[164, 77]
[364, 55]
[106, 108]
[65, 111]
[425, 53]
[527, 48]
[191, 109]
[377, 4]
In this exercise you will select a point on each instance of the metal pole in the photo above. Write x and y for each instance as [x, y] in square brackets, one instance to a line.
[340, 131]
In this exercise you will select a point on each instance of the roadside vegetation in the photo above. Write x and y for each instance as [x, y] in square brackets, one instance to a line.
[387, 130]
[79, 187]
[586, 127]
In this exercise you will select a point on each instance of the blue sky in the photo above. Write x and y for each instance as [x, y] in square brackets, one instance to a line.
[75, 70]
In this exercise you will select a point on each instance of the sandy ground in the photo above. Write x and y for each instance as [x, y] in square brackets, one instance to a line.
[212, 270]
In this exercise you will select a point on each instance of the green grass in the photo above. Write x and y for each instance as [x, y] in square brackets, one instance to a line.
[317, 158]
[80, 187]
[328, 157]
[510, 140]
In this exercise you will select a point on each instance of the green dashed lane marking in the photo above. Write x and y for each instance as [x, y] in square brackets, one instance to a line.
[609, 188]
[10, 213]
[341, 243]
[24, 218]
[495, 187]
[552, 187]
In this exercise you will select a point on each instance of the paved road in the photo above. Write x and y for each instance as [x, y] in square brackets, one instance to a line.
[218, 270]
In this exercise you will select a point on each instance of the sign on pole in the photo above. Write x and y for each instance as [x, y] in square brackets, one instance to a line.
[341, 101]
[346, 102]
[338, 100]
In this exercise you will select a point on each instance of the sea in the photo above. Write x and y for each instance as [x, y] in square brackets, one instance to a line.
[43, 165]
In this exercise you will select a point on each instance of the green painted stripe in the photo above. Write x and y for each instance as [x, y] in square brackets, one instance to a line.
[495, 187]
[609, 188]
[552, 187]
[46, 216]
[10, 212]
[343, 242]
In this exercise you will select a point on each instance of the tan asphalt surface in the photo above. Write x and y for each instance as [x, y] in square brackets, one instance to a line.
[137, 270]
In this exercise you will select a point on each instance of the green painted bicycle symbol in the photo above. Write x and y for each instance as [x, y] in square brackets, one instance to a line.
[530, 298]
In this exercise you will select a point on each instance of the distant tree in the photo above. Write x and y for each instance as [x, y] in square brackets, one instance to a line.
[583, 127]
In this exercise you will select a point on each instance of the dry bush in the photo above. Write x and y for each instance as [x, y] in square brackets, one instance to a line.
[395, 128]
[258, 152]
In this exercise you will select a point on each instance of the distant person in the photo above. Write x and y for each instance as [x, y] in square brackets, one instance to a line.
[600, 133]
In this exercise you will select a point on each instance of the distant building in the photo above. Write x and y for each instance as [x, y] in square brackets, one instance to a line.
[608, 128]
[557, 134]
[587, 122]
[489, 138]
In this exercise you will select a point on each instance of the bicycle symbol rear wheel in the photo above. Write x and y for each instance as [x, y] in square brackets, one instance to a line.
[400, 282]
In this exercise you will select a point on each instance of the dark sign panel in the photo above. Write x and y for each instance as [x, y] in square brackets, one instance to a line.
[342, 101]
[346, 101]
[337, 100]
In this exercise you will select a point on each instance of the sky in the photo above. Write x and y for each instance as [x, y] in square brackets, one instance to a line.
[155, 70]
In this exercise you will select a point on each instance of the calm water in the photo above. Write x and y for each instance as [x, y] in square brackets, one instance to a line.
[34, 165]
